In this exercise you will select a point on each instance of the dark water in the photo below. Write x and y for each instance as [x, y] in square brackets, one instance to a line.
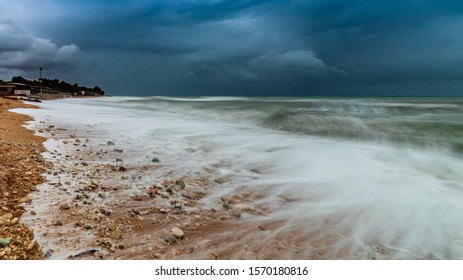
[422, 122]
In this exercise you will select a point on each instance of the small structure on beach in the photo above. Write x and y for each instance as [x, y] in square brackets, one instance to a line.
[15, 89]
[47, 94]
[21, 89]
[6, 89]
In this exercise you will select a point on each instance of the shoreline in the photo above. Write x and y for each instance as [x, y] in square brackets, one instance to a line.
[101, 202]
[21, 169]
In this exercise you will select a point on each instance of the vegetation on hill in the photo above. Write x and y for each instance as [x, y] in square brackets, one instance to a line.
[56, 84]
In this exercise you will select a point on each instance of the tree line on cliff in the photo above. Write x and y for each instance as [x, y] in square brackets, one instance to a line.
[55, 84]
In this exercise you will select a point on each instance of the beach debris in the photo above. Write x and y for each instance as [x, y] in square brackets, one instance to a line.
[155, 160]
[4, 242]
[136, 211]
[117, 150]
[122, 168]
[110, 143]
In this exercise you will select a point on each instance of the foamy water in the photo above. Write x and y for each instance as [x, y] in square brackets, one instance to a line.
[361, 177]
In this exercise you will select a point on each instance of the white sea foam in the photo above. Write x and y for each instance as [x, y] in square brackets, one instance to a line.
[371, 198]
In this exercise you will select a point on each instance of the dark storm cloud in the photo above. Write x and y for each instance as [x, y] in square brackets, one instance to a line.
[259, 47]
[21, 51]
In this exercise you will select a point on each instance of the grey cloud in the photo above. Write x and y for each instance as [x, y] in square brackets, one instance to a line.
[20, 51]
[302, 59]
[258, 47]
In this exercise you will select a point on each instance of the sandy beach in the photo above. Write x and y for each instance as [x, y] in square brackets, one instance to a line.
[21, 166]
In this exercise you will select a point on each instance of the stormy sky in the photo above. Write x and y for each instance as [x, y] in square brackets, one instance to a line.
[237, 47]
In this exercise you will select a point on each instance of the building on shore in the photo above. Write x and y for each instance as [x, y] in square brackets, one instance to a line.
[21, 89]
[15, 89]
[47, 94]
[6, 89]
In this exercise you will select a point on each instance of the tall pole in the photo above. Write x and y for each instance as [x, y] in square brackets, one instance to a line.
[40, 80]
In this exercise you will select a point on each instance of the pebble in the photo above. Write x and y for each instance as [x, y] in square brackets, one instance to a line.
[110, 143]
[65, 206]
[155, 160]
[14, 221]
[4, 242]
[152, 192]
[5, 219]
[177, 233]
[180, 183]
[48, 253]
[169, 239]
[30, 246]
[235, 212]
[25, 200]
[106, 243]
[242, 207]
[105, 212]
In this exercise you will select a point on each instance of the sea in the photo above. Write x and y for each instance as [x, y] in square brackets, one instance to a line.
[361, 176]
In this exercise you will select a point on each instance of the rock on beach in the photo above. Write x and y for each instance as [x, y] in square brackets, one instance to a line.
[177, 233]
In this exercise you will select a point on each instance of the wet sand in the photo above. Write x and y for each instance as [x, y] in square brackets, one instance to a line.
[98, 202]
[95, 205]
